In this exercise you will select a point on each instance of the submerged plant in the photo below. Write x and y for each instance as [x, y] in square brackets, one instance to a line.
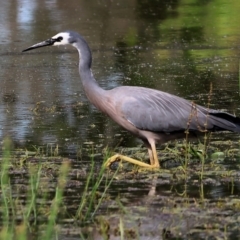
[202, 155]
[33, 210]
[7, 209]
[90, 203]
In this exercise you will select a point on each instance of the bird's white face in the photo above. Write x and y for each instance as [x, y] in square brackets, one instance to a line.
[63, 38]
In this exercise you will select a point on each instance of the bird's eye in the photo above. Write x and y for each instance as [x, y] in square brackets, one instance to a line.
[59, 39]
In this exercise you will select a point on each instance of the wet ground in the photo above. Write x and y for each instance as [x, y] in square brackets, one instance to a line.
[181, 47]
[190, 197]
[171, 203]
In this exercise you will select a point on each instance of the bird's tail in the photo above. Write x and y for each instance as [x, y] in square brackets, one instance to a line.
[224, 122]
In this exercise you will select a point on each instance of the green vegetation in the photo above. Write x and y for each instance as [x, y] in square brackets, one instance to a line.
[43, 204]
[36, 211]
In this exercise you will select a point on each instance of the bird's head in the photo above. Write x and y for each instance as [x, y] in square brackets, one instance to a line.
[62, 38]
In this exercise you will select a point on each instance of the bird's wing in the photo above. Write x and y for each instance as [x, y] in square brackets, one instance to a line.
[157, 111]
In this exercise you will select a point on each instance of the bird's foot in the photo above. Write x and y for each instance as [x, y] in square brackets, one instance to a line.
[119, 157]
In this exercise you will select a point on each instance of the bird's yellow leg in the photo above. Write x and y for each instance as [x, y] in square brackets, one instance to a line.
[154, 163]
[151, 156]
[155, 157]
[118, 157]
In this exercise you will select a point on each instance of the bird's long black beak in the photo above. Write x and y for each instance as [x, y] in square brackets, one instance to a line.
[48, 42]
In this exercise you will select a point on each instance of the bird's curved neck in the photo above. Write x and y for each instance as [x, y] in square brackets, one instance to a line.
[90, 85]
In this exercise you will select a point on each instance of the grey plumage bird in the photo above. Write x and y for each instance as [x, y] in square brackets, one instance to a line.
[151, 115]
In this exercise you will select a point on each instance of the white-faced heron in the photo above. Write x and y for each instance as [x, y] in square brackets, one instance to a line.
[151, 115]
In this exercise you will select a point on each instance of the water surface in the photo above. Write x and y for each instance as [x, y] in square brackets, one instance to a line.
[181, 47]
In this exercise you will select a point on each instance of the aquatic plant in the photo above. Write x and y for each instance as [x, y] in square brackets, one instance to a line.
[36, 208]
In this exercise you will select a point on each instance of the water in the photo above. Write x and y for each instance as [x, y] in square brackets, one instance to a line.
[177, 46]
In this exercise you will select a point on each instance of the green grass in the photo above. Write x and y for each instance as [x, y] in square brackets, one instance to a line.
[40, 213]
[93, 201]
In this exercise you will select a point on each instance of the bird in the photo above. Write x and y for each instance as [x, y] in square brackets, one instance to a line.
[154, 116]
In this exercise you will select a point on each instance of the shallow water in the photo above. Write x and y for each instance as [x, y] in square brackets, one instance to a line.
[144, 203]
[181, 47]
